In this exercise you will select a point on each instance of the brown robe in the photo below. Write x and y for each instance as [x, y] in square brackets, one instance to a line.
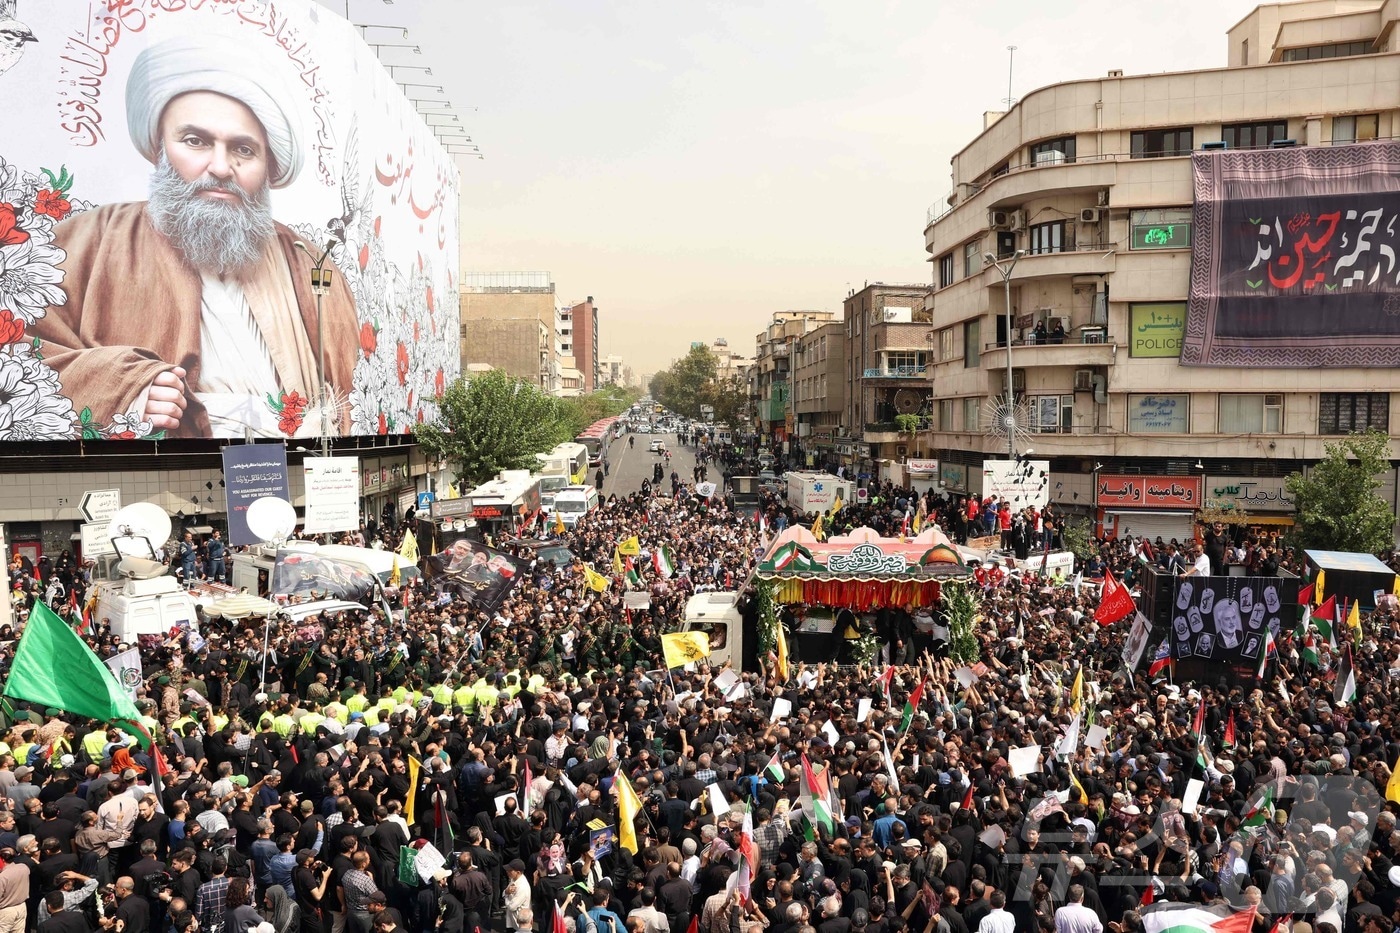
[133, 312]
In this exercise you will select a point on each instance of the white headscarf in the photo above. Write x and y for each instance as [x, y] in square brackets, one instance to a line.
[178, 66]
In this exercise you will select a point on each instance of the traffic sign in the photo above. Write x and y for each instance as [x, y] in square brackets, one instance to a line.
[95, 541]
[99, 505]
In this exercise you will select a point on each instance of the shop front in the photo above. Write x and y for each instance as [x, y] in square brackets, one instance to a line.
[1259, 503]
[1147, 506]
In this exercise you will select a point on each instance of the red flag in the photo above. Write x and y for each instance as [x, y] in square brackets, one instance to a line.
[558, 925]
[1285, 923]
[1149, 894]
[967, 797]
[1115, 603]
[694, 924]
[1230, 729]
[1199, 725]
[1241, 922]
[1328, 610]
[1305, 595]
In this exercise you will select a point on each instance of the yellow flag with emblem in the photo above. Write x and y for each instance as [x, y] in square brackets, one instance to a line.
[1392, 787]
[836, 506]
[596, 581]
[629, 547]
[817, 528]
[681, 648]
[408, 550]
[395, 576]
[1319, 587]
[617, 567]
[1076, 691]
[414, 766]
[629, 806]
[558, 523]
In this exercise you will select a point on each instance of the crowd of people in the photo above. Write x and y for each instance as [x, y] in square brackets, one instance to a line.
[457, 767]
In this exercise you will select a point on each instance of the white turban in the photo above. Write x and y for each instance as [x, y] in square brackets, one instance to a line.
[178, 66]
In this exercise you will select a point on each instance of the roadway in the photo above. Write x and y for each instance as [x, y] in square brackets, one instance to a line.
[629, 466]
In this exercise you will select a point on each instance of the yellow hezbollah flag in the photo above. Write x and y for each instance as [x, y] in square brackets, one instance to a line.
[680, 648]
[782, 655]
[630, 547]
[1076, 786]
[1076, 692]
[1395, 586]
[617, 563]
[629, 805]
[817, 528]
[558, 523]
[394, 577]
[1392, 787]
[1318, 588]
[1354, 617]
[836, 506]
[596, 581]
[414, 766]
[408, 550]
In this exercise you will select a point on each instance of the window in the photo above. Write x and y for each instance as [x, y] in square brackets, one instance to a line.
[1053, 151]
[1161, 228]
[972, 344]
[945, 415]
[1052, 414]
[904, 362]
[1253, 135]
[1153, 144]
[1006, 244]
[823, 346]
[945, 270]
[1345, 412]
[1360, 128]
[1244, 52]
[1251, 414]
[971, 408]
[972, 258]
[1334, 50]
[945, 344]
[1047, 238]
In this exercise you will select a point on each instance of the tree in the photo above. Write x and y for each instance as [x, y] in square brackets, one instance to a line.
[686, 385]
[494, 422]
[606, 402]
[728, 400]
[1338, 508]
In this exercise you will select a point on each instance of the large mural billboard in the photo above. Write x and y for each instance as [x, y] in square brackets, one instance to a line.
[171, 172]
[1295, 258]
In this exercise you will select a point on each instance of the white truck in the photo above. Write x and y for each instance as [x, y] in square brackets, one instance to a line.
[817, 492]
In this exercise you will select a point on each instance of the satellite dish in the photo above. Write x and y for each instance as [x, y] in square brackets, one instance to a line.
[138, 532]
[271, 519]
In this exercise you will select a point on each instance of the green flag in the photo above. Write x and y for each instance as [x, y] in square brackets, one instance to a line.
[54, 667]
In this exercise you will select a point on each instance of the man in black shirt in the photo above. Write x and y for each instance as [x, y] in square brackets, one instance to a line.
[133, 913]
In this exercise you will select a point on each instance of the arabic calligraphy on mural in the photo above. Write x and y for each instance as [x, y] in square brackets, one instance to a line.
[1333, 250]
[867, 558]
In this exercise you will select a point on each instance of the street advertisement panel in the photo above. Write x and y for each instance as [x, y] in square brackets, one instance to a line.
[252, 471]
[1294, 257]
[1024, 483]
[471, 571]
[1152, 492]
[332, 494]
[176, 174]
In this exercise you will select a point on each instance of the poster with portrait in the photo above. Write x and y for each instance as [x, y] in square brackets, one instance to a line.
[308, 576]
[1226, 619]
[217, 220]
[471, 571]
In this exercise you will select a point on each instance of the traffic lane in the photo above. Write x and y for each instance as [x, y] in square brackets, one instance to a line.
[629, 466]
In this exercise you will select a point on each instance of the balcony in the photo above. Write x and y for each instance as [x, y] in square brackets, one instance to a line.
[889, 432]
[897, 372]
[1088, 346]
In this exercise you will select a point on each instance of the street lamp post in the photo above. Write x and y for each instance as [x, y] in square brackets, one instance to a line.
[320, 287]
[1004, 267]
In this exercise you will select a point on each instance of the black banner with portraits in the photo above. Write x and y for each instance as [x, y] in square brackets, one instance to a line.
[480, 575]
[1219, 624]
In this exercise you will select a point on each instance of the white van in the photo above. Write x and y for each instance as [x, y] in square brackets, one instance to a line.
[573, 502]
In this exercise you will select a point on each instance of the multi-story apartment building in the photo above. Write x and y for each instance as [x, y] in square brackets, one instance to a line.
[1088, 187]
[584, 318]
[888, 351]
[729, 366]
[517, 296]
[819, 391]
[769, 377]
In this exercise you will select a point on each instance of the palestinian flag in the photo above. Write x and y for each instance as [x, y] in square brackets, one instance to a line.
[664, 562]
[817, 794]
[911, 705]
[1345, 689]
[1304, 617]
[884, 681]
[1305, 595]
[1310, 654]
[774, 770]
[1161, 661]
[1325, 618]
[1174, 917]
[1270, 651]
[1262, 811]
[1199, 725]
[634, 579]
[792, 554]
[1230, 729]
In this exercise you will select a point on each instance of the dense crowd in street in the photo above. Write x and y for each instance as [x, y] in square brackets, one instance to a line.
[502, 741]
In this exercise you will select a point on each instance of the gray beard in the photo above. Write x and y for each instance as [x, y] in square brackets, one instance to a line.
[216, 236]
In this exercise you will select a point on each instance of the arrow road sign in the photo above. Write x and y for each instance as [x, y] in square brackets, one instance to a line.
[99, 505]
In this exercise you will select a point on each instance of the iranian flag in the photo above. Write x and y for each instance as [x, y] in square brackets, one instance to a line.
[911, 705]
[1173, 917]
[664, 562]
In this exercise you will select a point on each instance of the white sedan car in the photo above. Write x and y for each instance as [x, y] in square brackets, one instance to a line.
[657, 446]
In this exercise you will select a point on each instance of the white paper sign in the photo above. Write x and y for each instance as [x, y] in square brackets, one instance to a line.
[501, 802]
[1095, 737]
[863, 709]
[832, 735]
[966, 676]
[782, 709]
[332, 494]
[427, 861]
[719, 804]
[1192, 797]
[992, 837]
[725, 679]
[1024, 760]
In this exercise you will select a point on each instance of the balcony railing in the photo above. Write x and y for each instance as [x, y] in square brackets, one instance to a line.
[1087, 335]
[897, 372]
[893, 427]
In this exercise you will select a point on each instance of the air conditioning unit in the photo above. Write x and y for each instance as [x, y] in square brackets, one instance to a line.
[1083, 380]
[999, 220]
[1049, 157]
[1090, 215]
[1273, 400]
[1018, 220]
[901, 451]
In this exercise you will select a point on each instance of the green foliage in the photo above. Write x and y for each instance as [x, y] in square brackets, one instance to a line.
[687, 384]
[1338, 508]
[908, 424]
[767, 616]
[494, 422]
[607, 402]
[961, 604]
[1078, 538]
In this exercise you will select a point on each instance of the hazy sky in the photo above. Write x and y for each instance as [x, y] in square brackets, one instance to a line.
[696, 166]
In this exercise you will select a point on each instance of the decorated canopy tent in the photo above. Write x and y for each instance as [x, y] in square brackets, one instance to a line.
[240, 606]
[860, 571]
